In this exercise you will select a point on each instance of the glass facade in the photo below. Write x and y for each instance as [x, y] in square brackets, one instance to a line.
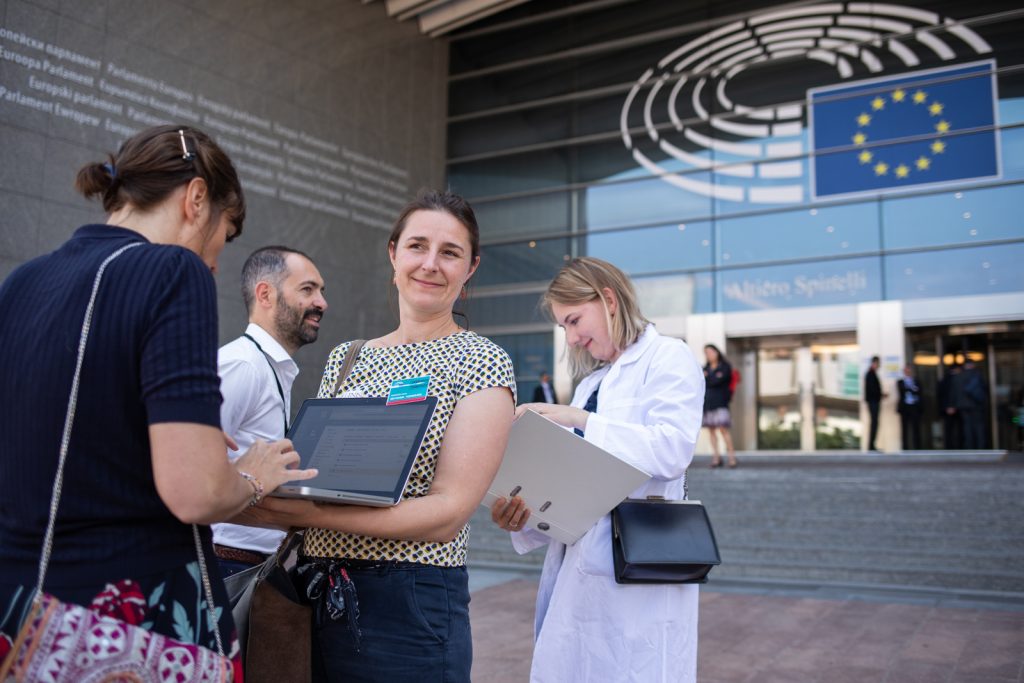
[692, 145]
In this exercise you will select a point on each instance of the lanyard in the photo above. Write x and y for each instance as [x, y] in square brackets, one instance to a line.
[280, 391]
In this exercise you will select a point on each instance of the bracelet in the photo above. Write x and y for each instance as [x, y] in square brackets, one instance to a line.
[257, 488]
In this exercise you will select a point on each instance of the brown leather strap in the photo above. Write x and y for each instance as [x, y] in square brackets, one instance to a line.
[252, 557]
[346, 367]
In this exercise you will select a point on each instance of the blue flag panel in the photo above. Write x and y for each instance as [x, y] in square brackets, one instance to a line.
[932, 126]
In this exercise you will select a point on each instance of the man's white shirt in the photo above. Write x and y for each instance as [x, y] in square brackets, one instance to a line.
[252, 410]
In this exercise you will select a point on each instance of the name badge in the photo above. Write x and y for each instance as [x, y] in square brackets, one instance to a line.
[408, 390]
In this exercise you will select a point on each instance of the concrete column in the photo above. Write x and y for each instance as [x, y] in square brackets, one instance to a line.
[560, 376]
[805, 386]
[880, 333]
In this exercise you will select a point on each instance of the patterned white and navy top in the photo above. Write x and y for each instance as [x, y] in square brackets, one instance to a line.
[458, 365]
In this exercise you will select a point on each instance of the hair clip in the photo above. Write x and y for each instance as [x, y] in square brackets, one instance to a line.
[111, 169]
[186, 155]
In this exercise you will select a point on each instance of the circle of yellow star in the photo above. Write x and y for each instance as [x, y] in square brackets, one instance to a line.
[902, 170]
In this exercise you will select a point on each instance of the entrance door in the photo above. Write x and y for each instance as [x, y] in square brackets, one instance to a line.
[808, 393]
[995, 352]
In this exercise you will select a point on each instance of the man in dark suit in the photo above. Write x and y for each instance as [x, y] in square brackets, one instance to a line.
[544, 393]
[873, 396]
[910, 408]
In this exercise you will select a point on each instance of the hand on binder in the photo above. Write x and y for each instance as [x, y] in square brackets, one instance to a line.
[510, 514]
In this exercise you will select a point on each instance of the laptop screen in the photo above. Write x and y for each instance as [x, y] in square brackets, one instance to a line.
[360, 445]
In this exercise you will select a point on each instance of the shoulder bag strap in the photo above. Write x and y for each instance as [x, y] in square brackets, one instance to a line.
[277, 380]
[346, 367]
[65, 440]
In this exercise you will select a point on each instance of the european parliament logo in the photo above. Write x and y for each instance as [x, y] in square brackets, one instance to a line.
[883, 134]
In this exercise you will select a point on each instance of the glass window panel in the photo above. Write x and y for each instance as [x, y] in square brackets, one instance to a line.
[521, 262]
[514, 129]
[816, 283]
[953, 217]
[824, 231]
[507, 218]
[531, 355]
[512, 309]
[651, 200]
[955, 272]
[666, 296]
[515, 173]
[649, 250]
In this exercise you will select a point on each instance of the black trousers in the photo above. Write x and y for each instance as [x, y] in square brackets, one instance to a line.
[873, 412]
[951, 432]
[910, 419]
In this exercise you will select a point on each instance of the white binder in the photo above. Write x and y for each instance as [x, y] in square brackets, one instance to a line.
[567, 482]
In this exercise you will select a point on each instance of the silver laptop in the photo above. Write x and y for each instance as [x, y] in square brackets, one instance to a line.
[363, 448]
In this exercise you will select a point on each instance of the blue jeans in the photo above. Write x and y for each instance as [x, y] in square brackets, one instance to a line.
[414, 621]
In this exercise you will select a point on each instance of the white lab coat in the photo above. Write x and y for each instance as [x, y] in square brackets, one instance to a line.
[589, 629]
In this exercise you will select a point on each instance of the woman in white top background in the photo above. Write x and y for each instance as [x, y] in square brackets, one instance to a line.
[649, 393]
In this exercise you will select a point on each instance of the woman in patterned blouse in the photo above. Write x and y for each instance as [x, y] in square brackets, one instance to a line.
[401, 571]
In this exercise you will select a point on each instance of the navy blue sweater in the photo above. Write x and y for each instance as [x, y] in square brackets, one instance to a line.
[151, 357]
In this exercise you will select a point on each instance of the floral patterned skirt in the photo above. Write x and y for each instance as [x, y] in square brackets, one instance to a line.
[171, 603]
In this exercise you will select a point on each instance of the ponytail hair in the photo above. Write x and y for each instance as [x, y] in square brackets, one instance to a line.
[155, 162]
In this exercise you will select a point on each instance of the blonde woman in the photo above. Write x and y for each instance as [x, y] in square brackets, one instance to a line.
[639, 397]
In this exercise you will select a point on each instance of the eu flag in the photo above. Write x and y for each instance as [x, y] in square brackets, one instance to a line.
[927, 127]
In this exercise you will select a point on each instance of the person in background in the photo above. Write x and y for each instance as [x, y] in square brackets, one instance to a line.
[544, 392]
[146, 455]
[909, 408]
[717, 394]
[284, 296]
[952, 438]
[971, 400]
[639, 397]
[873, 396]
[405, 566]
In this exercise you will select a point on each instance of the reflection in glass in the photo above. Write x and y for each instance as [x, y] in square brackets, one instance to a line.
[523, 216]
[531, 355]
[836, 396]
[650, 250]
[532, 261]
[825, 231]
[955, 272]
[778, 400]
[673, 296]
[951, 217]
[650, 200]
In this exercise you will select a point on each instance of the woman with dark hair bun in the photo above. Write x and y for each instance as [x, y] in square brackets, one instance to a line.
[717, 395]
[406, 565]
[146, 457]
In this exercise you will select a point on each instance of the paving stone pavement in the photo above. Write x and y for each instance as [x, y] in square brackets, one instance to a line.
[874, 569]
[955, 524]
[747, 638]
